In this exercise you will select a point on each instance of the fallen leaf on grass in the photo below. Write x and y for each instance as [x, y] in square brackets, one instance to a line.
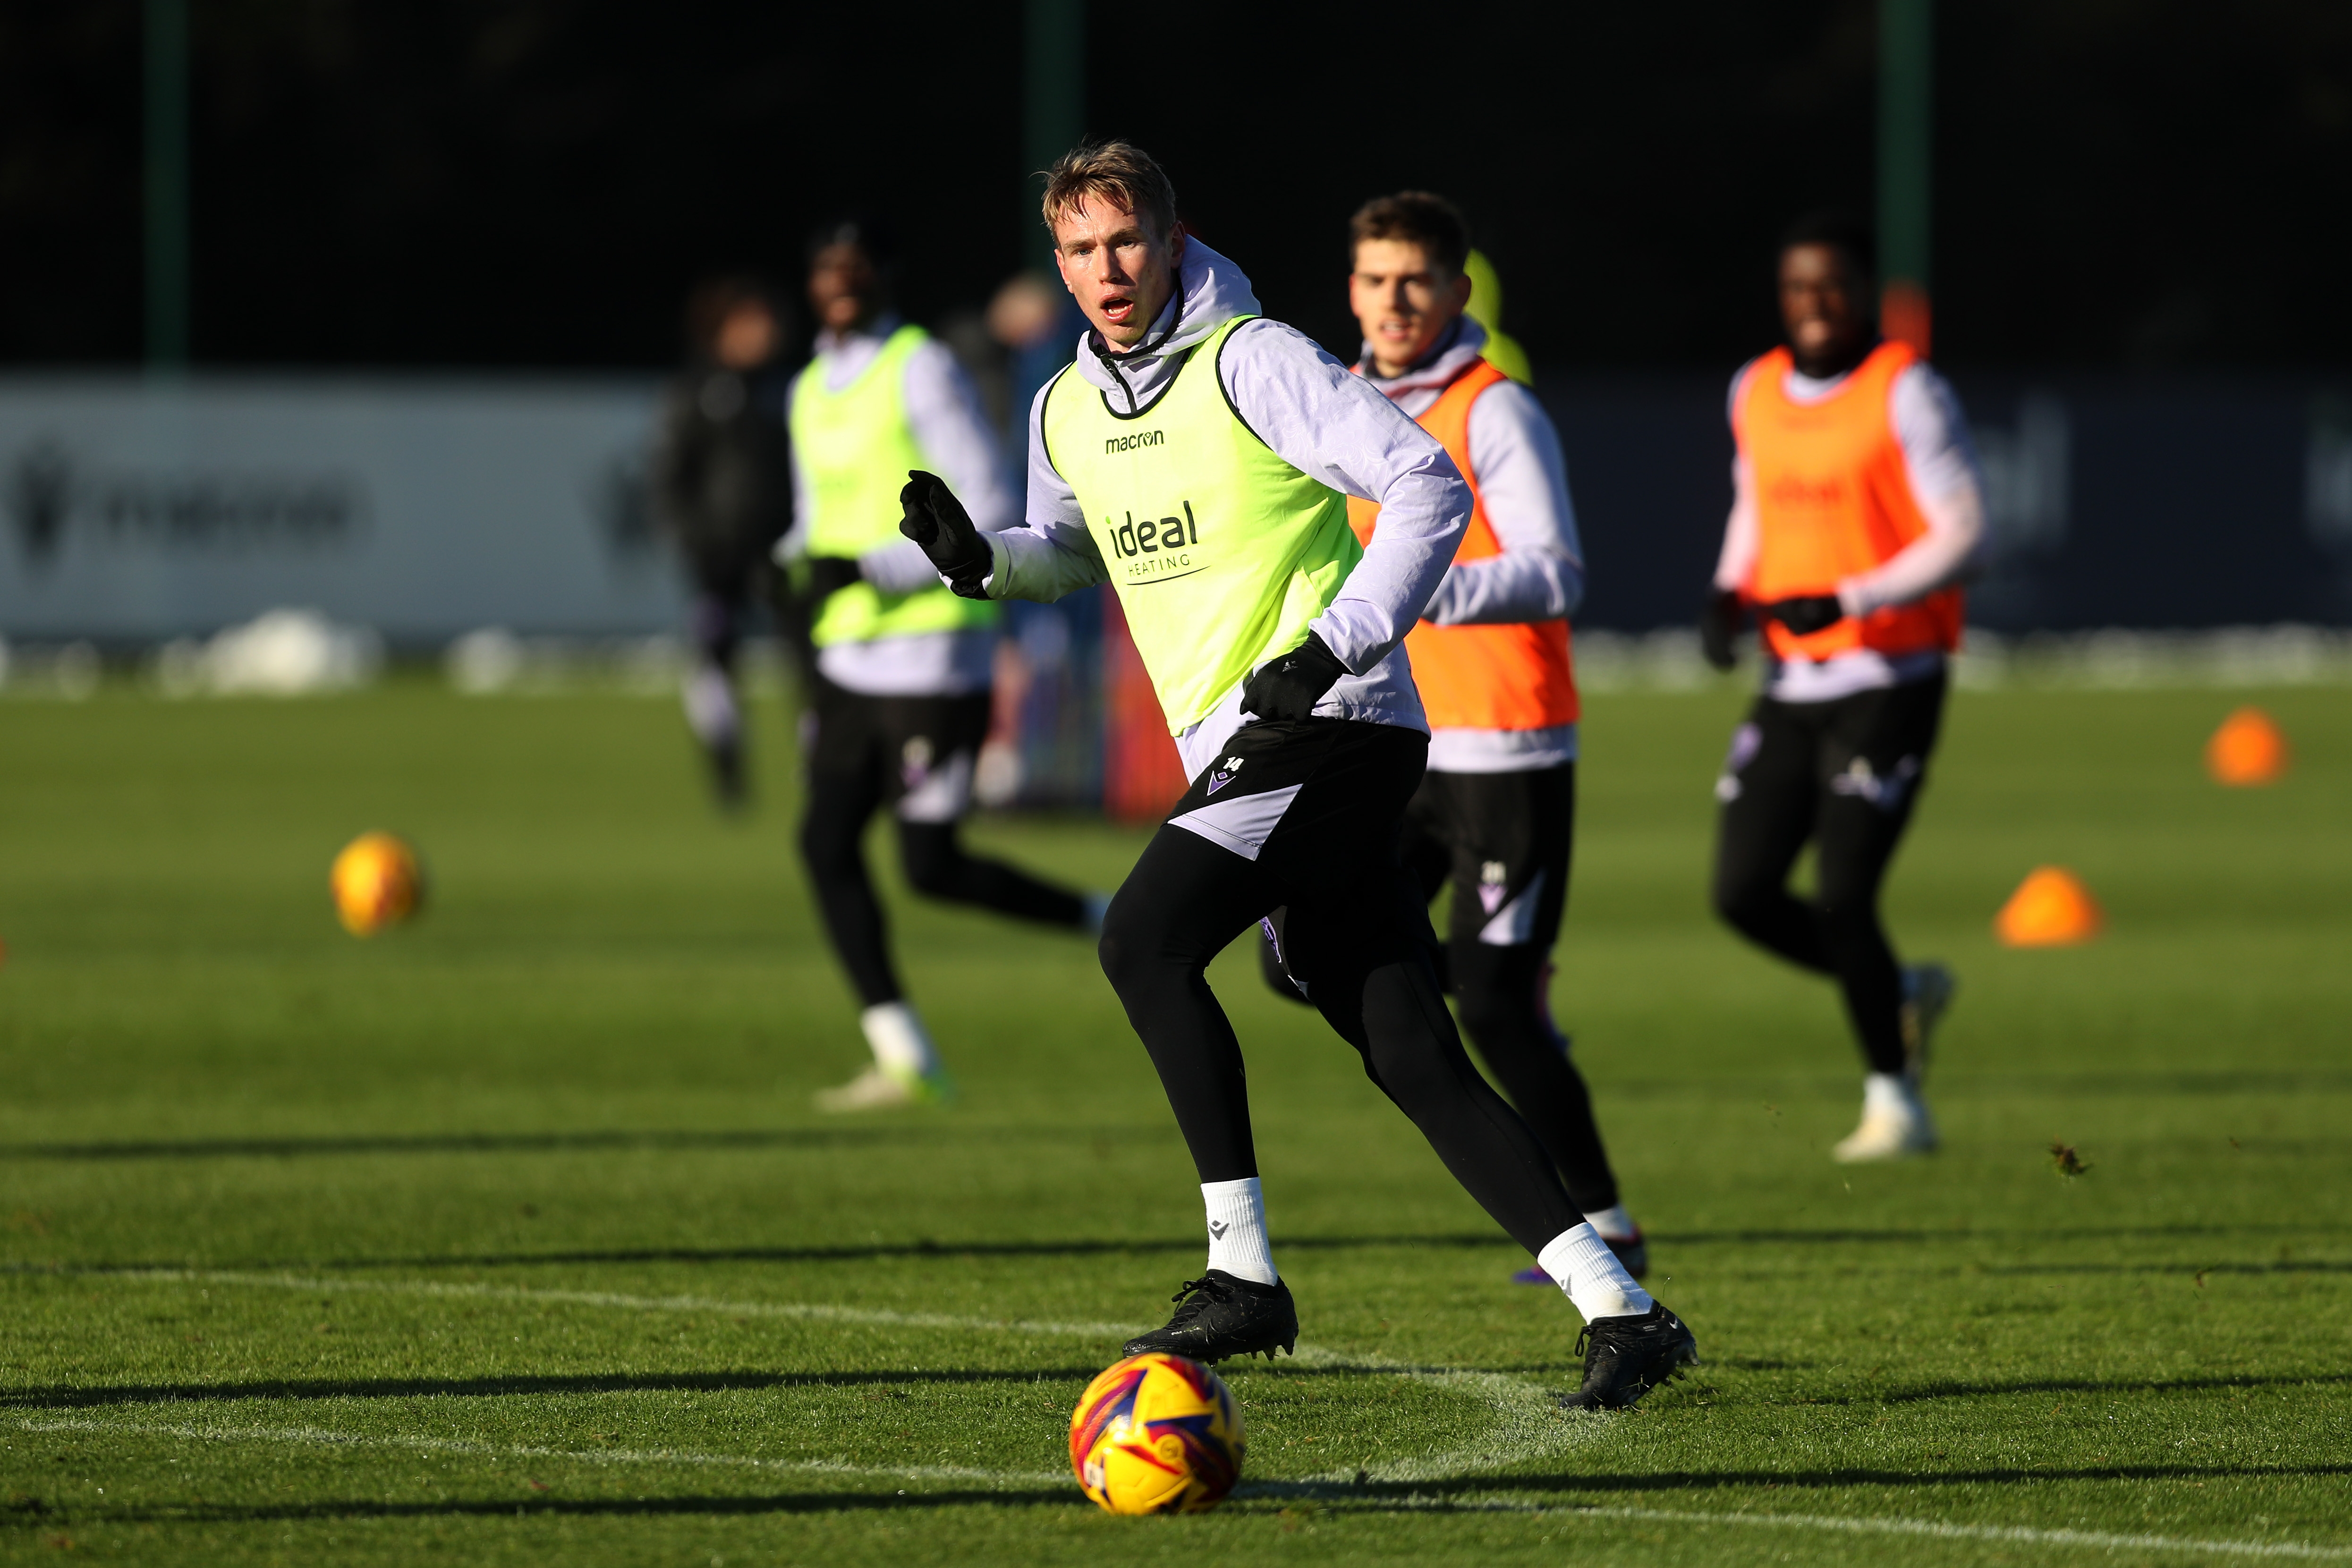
[2066, 1160]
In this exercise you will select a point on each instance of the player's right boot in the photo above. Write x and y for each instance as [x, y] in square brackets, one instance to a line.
[1626, 1357]
[879, 1088]
[1220, 1314]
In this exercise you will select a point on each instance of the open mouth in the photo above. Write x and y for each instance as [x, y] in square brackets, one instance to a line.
[1117, 309]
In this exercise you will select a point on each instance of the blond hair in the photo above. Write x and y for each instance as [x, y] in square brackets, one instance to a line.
[1119, 172]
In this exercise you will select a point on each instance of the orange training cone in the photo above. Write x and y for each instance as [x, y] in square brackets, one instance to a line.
[2051, 908]
[2247, 750]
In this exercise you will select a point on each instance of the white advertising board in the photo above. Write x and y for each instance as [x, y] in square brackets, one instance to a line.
[423, 507]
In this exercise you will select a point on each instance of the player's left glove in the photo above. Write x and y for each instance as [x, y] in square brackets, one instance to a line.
[1718, 628]
[1288, 685]
[937, 521]
[818, 576]
[1806, 615]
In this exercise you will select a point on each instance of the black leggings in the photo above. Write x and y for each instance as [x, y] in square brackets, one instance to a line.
[1504, 840]
[1844, 774]
[861, 760]
[1356, 935]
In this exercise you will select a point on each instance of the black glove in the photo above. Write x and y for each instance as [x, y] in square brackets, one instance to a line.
[937, 521]
[1805, 615]
[1719, 627]
[1288, 685]
[821, 576]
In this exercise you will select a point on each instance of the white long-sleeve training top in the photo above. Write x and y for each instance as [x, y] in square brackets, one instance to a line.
[1538, 573]
[1316, 415]
[944, 413]
[1939, 459]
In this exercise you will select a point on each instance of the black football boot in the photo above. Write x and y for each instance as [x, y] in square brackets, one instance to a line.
[1218, 1315]
[1630, 1356]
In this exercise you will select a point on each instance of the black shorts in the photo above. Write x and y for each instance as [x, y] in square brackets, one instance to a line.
[916, 753]
[1503, 840]
[1870, 749]
[1311, 810]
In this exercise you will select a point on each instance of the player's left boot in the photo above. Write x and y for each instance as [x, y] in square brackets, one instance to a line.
[728, 781]
[1221, 1315]
[1895, 1124]
[1626, 1357]
[1927, 995]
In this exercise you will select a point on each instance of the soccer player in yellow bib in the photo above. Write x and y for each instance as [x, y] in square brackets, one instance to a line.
[901, 697]
[1198, 458]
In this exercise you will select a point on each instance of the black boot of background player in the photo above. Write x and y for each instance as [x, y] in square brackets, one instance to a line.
[728, 784]
[1220, 1315]
[1629, 1356]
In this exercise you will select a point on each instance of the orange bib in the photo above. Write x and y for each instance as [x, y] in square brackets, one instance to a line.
[1832, 501]
[1514, 676]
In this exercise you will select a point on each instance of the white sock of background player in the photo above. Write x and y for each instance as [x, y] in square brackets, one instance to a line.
[902, 1047]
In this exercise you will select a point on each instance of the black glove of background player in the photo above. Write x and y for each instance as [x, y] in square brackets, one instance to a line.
[821, 576]
[1288, 685]
[937, 521]
[1807, 614]
[1718, 628]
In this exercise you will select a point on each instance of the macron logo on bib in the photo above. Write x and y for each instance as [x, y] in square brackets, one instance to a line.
[1115, 444]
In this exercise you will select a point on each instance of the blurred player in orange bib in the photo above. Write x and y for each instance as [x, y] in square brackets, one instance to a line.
[1857, 509]
[1496, 813]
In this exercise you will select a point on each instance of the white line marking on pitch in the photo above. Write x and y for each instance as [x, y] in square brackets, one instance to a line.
[2021, 1535]
[1527, 1425]
[810, 1311]
[1524, 1424]
[320, 1436]
[2017, 1534]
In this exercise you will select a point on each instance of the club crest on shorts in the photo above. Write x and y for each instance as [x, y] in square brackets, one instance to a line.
[1224, 774]
[1494, 880]
[915, 762]
[1887, 791]
[1745, 742]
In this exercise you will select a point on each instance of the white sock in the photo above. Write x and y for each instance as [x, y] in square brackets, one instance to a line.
[710, 710]
[901, 1046]
[1591, 1275]
[1614, 1224]
[1888, 1093]
[1237, 1242]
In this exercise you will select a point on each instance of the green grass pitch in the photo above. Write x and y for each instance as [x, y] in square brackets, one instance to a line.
[512, 1237]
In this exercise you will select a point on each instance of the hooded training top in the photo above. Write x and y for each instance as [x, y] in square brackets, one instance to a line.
[1939, 467]
[1319, 419]
[1537, 571]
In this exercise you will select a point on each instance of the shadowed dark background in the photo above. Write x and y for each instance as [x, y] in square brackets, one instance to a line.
[431, 183]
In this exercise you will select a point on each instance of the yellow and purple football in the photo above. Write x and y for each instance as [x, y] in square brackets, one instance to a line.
[1157, 1433]
[378, 882]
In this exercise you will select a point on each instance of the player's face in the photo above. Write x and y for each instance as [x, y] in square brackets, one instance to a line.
[1403, 301]
[845, 289]
[1822, 304]
[747, 338]
[1120, 273]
